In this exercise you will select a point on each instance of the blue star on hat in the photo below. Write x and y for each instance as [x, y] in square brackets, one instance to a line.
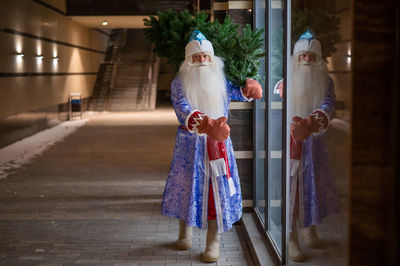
[197, 35]
[308, 35]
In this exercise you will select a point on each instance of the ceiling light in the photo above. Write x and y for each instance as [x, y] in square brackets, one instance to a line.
[39, 56]
[104, 23]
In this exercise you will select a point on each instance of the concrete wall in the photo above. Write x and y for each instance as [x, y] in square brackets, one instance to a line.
[41, 27]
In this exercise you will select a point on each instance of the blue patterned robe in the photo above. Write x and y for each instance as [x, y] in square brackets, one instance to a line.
[186, 191]
[317, 187]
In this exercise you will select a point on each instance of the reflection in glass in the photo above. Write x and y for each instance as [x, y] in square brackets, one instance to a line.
[318, 132]
[312, 187]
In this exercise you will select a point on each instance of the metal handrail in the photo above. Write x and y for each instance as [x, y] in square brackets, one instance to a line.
[107, 103]
[121, 42]
[96, 90]
[155, 70]
[151, 75]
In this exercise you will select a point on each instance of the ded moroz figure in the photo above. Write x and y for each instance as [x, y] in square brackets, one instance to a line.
[203, 187]
[313, 193]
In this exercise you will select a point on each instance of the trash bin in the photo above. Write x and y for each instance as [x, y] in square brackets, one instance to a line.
[75, 105]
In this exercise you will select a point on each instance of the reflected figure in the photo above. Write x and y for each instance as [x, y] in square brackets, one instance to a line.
[313, 193]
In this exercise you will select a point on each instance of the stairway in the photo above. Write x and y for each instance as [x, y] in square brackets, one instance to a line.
[127, 80]
[135, 84]
[101, 92]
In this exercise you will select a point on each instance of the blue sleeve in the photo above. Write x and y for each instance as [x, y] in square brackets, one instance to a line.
[179, 102]
[328, 105]
[235, 92]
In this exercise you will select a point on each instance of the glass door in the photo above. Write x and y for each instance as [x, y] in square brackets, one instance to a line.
[269, 117]
[275, 124]
[259, 125]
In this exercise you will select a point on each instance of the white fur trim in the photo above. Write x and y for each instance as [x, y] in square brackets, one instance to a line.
[232, 189]
[195, 47]
[218, 208]
[247, 99]
[218, 167]
[304, 45]
[206, 186]
[294, 166]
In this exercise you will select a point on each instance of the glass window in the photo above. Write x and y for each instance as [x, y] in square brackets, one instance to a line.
[274, 118]
[268, 126]
[259, 132]
[302, 129]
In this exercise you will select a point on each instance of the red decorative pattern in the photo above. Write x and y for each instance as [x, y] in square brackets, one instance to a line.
[194, 120]
[321, 118]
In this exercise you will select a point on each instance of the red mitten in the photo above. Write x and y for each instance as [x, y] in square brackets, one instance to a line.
[299, 130]
[215, 128]
[312, 123]
[253, 89]
[317, 121]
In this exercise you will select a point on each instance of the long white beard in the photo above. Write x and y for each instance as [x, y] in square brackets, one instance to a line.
[205, 86]
[308, 87]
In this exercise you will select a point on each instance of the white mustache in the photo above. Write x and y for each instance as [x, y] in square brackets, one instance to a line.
[304, 63]
[198, 64]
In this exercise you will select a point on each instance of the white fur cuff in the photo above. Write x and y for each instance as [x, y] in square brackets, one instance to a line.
[247, 99]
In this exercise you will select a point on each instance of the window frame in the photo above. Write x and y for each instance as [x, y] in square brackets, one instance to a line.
[280, 258]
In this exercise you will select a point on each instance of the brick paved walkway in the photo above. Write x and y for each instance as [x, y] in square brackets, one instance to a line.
[94, 199]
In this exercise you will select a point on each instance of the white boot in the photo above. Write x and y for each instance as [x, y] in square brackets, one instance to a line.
[211, 253]
[185, 236]
[310, 237]
[295, 253]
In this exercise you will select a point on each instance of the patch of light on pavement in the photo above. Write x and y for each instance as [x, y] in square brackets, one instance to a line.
[16, 155]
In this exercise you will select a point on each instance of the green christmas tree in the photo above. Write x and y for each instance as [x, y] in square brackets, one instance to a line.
[323, 21]
[171, 30]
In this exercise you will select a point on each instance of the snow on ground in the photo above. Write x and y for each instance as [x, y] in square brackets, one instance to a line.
[16, 155]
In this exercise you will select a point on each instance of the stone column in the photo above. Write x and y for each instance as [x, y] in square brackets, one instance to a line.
[375, 133]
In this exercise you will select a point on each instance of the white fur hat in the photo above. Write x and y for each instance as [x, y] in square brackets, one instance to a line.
[198, 44]
[307, 43]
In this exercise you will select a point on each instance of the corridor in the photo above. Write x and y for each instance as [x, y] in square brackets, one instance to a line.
[94, 199]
